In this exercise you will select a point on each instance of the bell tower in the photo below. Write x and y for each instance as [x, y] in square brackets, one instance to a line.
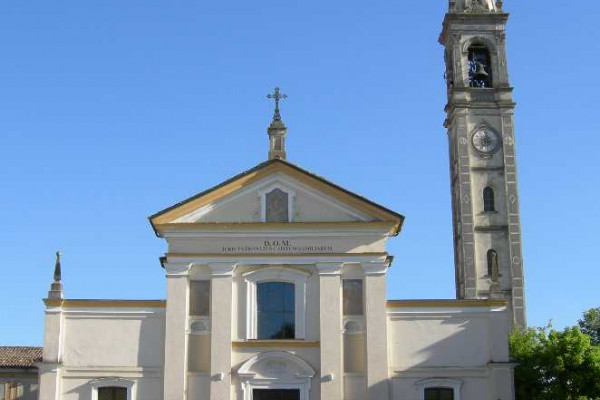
[483, 171]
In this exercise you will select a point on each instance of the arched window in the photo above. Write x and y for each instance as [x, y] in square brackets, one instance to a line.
[493, 268]
[112, 389]
[489, 203]
[439, 389]
[480, 67]
[275, 297]
[276, 307]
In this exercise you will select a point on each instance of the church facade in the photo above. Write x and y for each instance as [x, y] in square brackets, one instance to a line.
[276, 278]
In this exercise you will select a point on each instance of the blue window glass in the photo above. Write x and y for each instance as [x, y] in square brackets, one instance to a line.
[276, 310]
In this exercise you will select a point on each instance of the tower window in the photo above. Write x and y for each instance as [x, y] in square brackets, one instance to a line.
[480, 67]
[488, 200]
[493, 268]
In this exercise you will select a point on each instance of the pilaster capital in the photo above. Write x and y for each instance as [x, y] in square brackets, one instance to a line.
[375, 267]
[222, 269]
[177, 269]
[48, 367]
[330, 268]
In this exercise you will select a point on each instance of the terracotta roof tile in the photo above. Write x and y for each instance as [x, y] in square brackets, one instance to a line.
[19, 356]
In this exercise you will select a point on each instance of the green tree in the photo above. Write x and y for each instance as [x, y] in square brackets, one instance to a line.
[555, 365]
[590, 324]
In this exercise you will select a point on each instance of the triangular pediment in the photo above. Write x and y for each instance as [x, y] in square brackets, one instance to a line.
[243, 199]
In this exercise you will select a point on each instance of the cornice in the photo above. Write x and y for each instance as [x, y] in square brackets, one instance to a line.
[491, 228]
[176, 268]
[198, 229]
[258, 344]
[222, 268]
[330, 268]
[101, 303]
[447, 303]
[375, 268]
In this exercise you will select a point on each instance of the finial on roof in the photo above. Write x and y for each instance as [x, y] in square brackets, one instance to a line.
[57, 271]
[55, 291]
[277, 95]
[277, 130]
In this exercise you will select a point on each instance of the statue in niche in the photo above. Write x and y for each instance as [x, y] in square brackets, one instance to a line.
[276, 206]
[479, 6]
[493, 266]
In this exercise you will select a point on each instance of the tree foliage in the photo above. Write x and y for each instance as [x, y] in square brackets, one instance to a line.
[555, 365]
[590, 324]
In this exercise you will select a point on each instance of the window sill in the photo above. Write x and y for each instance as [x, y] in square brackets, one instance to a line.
[488, 213]
[198, 373]
[257, 343]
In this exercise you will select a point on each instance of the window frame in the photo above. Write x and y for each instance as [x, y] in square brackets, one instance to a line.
[276, 274]
[113, 382]
[263, 200]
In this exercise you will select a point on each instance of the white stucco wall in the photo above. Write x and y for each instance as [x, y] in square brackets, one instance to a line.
[104, 343]
[466, 347]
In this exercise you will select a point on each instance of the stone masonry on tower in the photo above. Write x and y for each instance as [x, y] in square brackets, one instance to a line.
[483, 171]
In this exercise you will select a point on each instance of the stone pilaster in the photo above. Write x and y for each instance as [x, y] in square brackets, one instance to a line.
[49, 368]
[376, 331]
[519, 317]
[465, 202]
[175, 331]
[221, 302]
[330, 332]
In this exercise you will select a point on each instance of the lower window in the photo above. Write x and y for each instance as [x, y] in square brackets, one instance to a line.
[439, 393]
[112, 393]
[276, 394]
[11, 391]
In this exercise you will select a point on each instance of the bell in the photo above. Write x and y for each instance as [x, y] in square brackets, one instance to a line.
[480, 73]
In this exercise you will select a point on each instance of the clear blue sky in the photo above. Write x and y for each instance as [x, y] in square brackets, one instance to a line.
[112, 110]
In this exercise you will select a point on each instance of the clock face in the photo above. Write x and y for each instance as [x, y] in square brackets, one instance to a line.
[486, 141]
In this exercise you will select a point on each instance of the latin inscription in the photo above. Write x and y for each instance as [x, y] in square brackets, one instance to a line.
[276, 246]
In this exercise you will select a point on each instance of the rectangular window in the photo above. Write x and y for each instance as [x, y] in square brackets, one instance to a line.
[353, 296]
[200, 298]
[439, 394]
[11, 391]
[276, 394]
[112, 393]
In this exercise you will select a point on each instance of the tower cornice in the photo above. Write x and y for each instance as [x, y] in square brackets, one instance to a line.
[466, 22]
